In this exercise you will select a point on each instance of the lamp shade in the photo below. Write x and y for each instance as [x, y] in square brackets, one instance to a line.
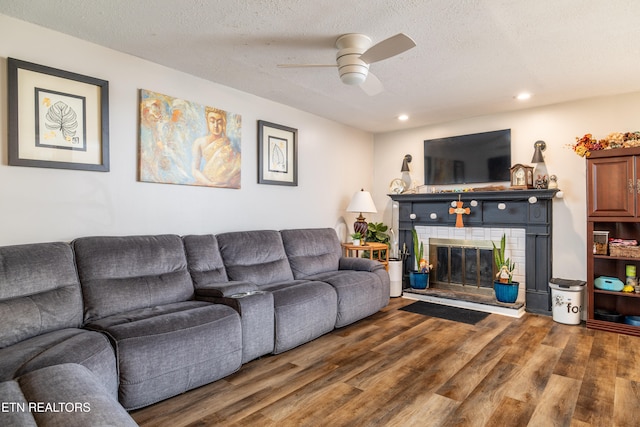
[362, 202]
[405, 163]
[539, 147]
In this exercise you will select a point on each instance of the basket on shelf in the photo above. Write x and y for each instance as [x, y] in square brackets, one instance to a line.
[624, 251]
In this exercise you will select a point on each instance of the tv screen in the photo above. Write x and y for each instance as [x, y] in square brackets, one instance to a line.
[477, 158]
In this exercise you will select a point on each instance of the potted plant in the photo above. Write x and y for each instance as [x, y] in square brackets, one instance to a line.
[506, 289]
[419, 277]
[376, 232]
[381, 233]
[356, 238]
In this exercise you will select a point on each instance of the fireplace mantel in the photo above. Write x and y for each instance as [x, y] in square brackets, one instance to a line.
[527, 209]
[505, 195]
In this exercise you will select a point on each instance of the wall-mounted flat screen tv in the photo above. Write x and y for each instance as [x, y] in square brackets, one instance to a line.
[466, 159]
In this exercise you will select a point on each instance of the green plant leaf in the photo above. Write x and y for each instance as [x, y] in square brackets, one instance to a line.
[499, 257]
[377, 232]
[418, 249]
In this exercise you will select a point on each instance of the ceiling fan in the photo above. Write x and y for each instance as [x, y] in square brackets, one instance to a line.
[355, 54]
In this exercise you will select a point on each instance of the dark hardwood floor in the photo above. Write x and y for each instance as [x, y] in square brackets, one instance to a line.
[402, 369]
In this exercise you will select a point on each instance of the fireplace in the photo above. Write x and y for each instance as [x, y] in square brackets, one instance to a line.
[464, 265]
[462, 258]
[525, 216]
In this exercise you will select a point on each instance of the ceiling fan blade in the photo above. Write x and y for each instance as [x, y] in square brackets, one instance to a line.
[372, 85]
[305, 65]
[387, 48]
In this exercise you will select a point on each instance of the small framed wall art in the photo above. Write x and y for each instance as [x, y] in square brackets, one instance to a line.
[57, 119]
[277, 154]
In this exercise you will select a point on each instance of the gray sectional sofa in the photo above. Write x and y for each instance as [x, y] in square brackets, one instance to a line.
[103, 325]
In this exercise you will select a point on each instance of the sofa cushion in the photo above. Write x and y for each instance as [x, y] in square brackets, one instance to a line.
[17, 414]
[166, 350]
[39, 291]
[120, 274]
[304, 310]
[255, 256]
[362, 285]
[207, 269]
[86, 348]
[311, 251]
[360, 293]
[67, 395]
[204, 260]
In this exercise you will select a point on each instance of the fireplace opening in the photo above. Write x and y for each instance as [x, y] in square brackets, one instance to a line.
[465, 265]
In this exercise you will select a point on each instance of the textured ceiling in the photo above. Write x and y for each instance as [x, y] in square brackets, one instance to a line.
[472, 56]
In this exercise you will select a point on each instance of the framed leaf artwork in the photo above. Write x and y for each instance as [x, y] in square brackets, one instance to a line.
[277, 154]
[57, 119]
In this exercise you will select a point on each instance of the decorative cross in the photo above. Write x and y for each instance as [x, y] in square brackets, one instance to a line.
[459, 211]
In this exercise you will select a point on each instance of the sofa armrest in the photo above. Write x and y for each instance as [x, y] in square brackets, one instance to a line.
[359, 264]
[256, 310]
[223, 289]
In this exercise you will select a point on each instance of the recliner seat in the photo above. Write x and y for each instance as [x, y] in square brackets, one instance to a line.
[137, 290]
[303, 309]
[41, 312]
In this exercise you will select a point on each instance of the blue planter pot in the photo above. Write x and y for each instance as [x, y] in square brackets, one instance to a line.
[506, 292]
[418, 280]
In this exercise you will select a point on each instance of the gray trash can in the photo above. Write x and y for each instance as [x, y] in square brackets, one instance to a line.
[567, 297]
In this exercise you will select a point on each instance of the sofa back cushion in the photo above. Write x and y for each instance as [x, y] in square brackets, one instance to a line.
[312, 251]
[204, 259]
[120, 274]
[39, 291]
[255, 256]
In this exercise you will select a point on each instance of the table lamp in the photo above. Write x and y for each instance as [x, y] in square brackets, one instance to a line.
[361, 202]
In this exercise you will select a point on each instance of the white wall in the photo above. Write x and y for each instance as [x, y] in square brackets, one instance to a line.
[38, 204]
[558, 126]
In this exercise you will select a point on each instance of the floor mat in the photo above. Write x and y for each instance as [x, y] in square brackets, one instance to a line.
[456, 314]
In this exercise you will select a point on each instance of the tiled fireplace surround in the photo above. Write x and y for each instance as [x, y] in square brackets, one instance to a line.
[515, 244]
[524, 216]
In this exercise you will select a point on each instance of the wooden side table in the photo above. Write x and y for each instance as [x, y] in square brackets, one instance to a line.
[376, 251]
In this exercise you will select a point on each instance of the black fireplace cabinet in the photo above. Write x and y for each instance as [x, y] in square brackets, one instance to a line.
[527, 209]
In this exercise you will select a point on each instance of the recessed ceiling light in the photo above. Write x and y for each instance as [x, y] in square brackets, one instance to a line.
[403, 117]
[523, 96]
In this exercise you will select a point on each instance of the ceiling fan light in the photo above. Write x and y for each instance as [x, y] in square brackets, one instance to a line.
[353, 74]
[355, 79]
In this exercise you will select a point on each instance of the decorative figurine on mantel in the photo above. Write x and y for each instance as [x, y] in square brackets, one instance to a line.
[521, 177]
[504, 274]
[540, 174]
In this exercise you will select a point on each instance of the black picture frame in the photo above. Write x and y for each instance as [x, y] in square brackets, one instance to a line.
[57, 119]
[277, 154]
